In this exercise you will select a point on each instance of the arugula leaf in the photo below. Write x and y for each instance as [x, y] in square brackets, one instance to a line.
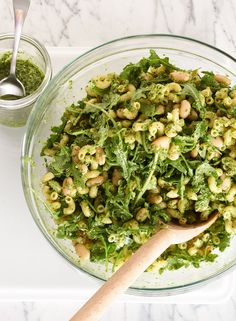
[76, 108]
[188, 143]
[218, 229]
[180, 258]
[121, 157]
[206, 169]
[229, 165]
[200, 130]
[97, 91]
[61, 161]
[191, 90]
[148, 109]
[98, 252]
[203, 170]
[111, 99]
[140, 93]
[85, 132]
[152, 168]
[202, 204]
[178, 164]
[67, 230]
[189, 168]
[208, 80]
[55, 135]
[116, 203]
[156, 61]
[181, 186]
[162, 78]
[83, 139]
[157, 212]
[75, 172]
[131, 73]
[185, 143]
[95, 109]
[232, 111]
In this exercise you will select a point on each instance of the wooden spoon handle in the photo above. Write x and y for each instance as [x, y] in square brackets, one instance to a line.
[124, 277]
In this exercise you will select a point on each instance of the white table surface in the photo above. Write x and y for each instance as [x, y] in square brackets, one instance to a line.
[88, 23]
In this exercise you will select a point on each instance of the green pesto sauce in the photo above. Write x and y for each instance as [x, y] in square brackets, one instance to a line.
[27, 72]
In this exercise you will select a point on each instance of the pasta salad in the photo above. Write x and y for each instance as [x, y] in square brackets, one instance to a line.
[145, 147]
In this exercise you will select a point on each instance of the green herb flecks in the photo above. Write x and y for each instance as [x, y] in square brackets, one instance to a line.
[126, 160]
[27, 72]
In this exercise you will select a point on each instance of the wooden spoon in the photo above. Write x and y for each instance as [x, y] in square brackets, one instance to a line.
[136, 265]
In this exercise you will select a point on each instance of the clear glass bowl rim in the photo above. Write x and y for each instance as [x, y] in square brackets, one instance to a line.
[172, 290]
[30, 99]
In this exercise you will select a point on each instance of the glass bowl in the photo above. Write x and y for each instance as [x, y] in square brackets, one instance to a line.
[67, 87]
[14, 113]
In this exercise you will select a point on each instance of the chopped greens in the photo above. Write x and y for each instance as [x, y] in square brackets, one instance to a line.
[198, 104]
[150, 145]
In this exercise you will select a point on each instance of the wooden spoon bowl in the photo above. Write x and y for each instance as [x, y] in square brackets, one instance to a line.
[137, 264]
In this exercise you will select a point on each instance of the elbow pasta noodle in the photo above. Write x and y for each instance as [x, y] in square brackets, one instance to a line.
[86, 209]
[100, 208]
[173, 87]
[145, 147]
[47, 177]
[156, 128]
[54, 196]
[70, 206]
[206, 92]
[102, 82]
[129, 94]
[93, 191]
[55, 205]
[213, 185]
[46, 191]
[192, 251]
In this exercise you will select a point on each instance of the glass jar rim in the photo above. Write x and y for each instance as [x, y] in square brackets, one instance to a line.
[25, 101]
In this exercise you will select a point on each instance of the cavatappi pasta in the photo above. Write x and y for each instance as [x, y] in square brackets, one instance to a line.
[153, 144]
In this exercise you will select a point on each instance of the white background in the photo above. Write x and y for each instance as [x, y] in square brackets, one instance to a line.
[88, 23]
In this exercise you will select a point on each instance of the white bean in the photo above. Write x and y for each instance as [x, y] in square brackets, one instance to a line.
[93, 191]
[142, 214]
[82, 251]
[154, 199]
[95, 181]
[194, 153]
[217, 142]
[160, 110]
[223, 79]
[185, 109]
[180, 76]
[172, 194]
[162, 142]
[116, 177]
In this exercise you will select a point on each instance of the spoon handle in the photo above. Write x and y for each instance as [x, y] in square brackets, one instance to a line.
[20, 10]
[124, 277]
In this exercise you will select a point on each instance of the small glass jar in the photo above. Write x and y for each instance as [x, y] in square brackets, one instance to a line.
[14, 113]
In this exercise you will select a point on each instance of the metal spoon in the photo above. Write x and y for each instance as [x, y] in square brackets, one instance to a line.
[11, 86]
[136, 265]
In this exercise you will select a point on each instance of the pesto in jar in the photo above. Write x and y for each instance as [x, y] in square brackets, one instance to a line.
[27, 72]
